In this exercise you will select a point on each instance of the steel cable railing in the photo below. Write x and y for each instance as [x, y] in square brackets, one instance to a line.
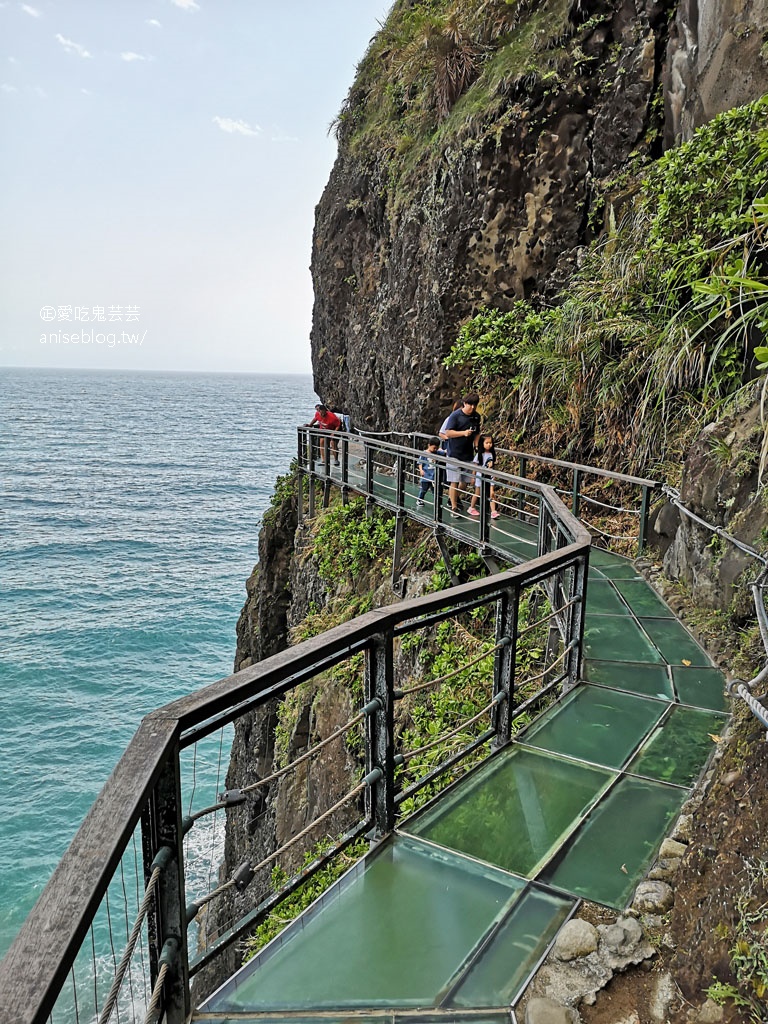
[146, 789]
[740, 687]
[578, 473]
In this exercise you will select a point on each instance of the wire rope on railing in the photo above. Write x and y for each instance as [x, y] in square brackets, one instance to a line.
[673, 495]
[740, 687]
[312, 751]
[232, 797]
[127, 925]
[550, 666]
[159, 864]
[603, 504]
[167, 957]
[157, 992]
[407, 755]
[246, 872]
[547, 618]
[454, 672]
[610, 536]
[74, 996]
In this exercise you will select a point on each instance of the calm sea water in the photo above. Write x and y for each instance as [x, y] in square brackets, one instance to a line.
[130, 510]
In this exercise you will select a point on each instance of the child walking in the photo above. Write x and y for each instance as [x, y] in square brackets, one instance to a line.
[427, 469]
[486, 456]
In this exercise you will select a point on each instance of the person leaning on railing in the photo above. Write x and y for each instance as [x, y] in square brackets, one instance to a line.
[327, 420]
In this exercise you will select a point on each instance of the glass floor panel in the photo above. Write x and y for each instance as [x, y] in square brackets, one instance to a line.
[605, 859]
[677, 750]
[601, 557]
[675, 642]
[647, 680]
[527, 801]
[390, 1017]
[597, 725]
[503, 968]
[610, 566]
[603, 598]
[394, 931]
[617, 637]
[643, 599]
[250, 1018]
[701, 687]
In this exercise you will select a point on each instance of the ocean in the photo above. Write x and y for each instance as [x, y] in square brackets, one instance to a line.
[131, 505]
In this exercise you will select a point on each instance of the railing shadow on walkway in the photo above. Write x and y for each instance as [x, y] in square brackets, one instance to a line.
[127, 868]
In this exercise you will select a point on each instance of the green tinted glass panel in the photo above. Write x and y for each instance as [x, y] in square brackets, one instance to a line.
[247, 1018]
[612, 567]
[503, 967]
[617, 638]
[603, 597]
[609, 854]
[514, 810]
[675, 642]
[643, 598]
[394, 931]
[702, 687]
[678, 749]
[648, 680]
[598, 725]
[603, 558]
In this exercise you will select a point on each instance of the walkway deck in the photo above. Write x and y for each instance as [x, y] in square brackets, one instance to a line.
[450, 915]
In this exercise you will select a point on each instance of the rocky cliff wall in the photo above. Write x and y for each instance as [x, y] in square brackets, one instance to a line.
[716, 59]
[720, 484]
[500, 212]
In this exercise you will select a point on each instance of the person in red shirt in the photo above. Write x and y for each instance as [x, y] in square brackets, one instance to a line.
[327, 420]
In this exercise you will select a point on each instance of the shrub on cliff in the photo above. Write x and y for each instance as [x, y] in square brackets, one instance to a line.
[662, 318]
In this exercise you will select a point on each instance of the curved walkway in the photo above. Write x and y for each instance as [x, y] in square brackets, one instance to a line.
[453, 912]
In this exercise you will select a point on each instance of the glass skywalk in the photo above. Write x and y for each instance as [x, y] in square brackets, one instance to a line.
[456, 910]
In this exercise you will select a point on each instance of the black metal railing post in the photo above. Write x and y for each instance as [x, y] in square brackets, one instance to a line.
[300, 470]
[576, 496]
[507, 609]
[574, 637]
[398, 580]
[400, 480]
[485, 490]
[439, 490]
[369, 469]
[344, 470]
[642, 533]
[380, 753]
[521, 471]
[544, 527]
[161, 827]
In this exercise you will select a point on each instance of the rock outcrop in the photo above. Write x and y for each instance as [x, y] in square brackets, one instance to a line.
[720, 485]
[716, 59]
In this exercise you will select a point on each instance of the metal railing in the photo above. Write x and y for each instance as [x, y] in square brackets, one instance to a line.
[591, 492]
[511, 521]
[138, 825]
[739, 687]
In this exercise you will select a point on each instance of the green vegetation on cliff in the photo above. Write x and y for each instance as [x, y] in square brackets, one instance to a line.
[661, 320]
[438, 67]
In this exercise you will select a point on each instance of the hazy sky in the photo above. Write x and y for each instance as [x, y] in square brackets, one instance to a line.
[161, 164]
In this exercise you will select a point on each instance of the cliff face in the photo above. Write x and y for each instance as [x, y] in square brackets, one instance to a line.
[715, 60]
[500, 211]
